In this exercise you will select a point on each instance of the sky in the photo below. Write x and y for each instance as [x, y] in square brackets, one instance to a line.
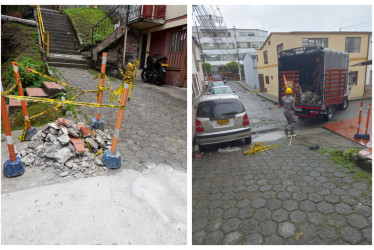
[284, 18]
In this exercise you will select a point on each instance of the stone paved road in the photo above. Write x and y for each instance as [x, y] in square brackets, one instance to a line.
[154, 125]
[281, 196]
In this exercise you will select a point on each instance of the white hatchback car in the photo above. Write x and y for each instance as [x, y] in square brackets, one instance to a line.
[221, 118]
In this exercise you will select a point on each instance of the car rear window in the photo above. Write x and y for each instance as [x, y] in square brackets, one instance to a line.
[218, 109]
[221, 90]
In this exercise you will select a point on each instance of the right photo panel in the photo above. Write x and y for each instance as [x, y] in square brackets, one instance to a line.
[281, 120]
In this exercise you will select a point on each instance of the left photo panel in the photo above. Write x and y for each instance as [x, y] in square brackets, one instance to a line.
[94, 124]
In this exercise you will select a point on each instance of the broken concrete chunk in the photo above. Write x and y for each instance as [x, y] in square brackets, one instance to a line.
[63, 155]
[98, 161]
[64, 130]
[53, 131]
[73, 132]
[85, 165]
[51, 138]
[69, 163]
[64, 174]
[51, 151]
[92, 143]
[28, 160]
[64, 139]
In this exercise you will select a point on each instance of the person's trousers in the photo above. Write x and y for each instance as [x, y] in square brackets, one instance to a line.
[291, 120]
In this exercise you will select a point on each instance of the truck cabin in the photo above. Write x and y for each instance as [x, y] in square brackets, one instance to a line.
[309, 63]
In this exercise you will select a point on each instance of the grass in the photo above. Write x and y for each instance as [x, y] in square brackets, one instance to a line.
[344, 160]
[84, 18]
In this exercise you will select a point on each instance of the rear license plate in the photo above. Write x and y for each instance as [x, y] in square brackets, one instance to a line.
[222, 122]
[164, 64]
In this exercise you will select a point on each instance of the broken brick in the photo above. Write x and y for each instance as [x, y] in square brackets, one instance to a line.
[78, 144]
[63, 121]
[85, 130]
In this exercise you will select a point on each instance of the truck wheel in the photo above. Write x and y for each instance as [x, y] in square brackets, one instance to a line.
[345, 104]
[330, 112]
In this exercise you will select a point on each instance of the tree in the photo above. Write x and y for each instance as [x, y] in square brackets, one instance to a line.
[206, 67]
[232, 67]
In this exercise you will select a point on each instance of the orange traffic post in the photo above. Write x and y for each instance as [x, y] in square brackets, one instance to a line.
[358, 135]
[366, 136]
[13, 166]
[97, 122]
[31, 131]
[112, 158]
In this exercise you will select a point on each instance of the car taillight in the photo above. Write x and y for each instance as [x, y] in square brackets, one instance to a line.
[199, 126]
[245, 120]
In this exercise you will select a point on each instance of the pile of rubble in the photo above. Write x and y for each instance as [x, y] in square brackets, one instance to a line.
[70, 149]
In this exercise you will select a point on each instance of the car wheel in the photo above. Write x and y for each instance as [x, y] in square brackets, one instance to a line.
[202, 148]
[248, 140]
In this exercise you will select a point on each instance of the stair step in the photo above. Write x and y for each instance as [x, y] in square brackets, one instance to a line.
[52, 88]
[36, 92]
[61, 36]
[66, 58]
[64, 51]
[68, 65]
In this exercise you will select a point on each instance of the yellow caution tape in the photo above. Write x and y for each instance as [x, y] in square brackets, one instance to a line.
[53, 101]
[11, 89]
[88, 146]
[99, 152]
[259, 147]
[49, 78]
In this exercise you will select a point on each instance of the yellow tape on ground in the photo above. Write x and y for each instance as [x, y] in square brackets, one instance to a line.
[259, 147]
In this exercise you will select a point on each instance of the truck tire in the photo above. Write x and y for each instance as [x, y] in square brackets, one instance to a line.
[345, 104]
[202, 148]
[330, 112]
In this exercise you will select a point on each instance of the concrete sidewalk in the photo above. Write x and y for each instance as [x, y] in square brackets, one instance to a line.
[128, 208]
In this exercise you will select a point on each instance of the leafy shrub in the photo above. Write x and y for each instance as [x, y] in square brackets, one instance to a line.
[28, 78]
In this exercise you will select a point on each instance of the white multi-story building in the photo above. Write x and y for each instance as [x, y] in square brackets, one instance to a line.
[219, 47]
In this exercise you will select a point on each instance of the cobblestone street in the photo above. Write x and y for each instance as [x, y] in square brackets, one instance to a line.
[287, 195]
[154, 125]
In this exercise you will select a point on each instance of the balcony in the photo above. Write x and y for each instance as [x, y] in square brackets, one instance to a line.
[146, 16]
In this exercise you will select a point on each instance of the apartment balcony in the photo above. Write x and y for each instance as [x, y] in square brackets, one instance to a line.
[146, 16]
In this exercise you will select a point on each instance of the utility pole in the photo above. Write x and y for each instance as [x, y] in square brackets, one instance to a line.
[237, 53]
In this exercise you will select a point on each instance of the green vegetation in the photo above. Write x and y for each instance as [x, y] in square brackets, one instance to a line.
[20, 44]
[206, 67]
[344, 159]
[232, 67]
[84, 18]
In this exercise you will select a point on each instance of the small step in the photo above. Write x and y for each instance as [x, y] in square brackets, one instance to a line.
[14, 106]
[64, 51]
[36, 92]
[68, 65]
[52, 89]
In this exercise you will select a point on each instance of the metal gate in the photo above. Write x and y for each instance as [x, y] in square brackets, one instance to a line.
[334, 86]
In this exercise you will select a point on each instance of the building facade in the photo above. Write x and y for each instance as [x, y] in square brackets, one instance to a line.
[357, 44]
[220, 48]
[250, 70]
[197, 70]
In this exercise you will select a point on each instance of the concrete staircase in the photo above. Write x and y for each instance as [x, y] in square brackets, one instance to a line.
[63, 42]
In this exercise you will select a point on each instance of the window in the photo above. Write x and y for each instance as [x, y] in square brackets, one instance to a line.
[256, 45]
[269, 42]
[279, 48]
[247, 34]
[229, 57]
[265, 57]
[217, 109]
[256, 58]
[271, 77]
[267, 79]
[243, 45]
[352, 44]
[306, 42]
[213, 58]
[353, 76]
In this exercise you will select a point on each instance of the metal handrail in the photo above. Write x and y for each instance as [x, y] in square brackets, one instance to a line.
[45, 41]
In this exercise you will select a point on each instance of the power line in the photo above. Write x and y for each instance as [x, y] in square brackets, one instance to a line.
[354, 25]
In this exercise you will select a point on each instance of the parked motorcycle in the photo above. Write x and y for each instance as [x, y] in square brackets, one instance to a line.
[155, 71]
